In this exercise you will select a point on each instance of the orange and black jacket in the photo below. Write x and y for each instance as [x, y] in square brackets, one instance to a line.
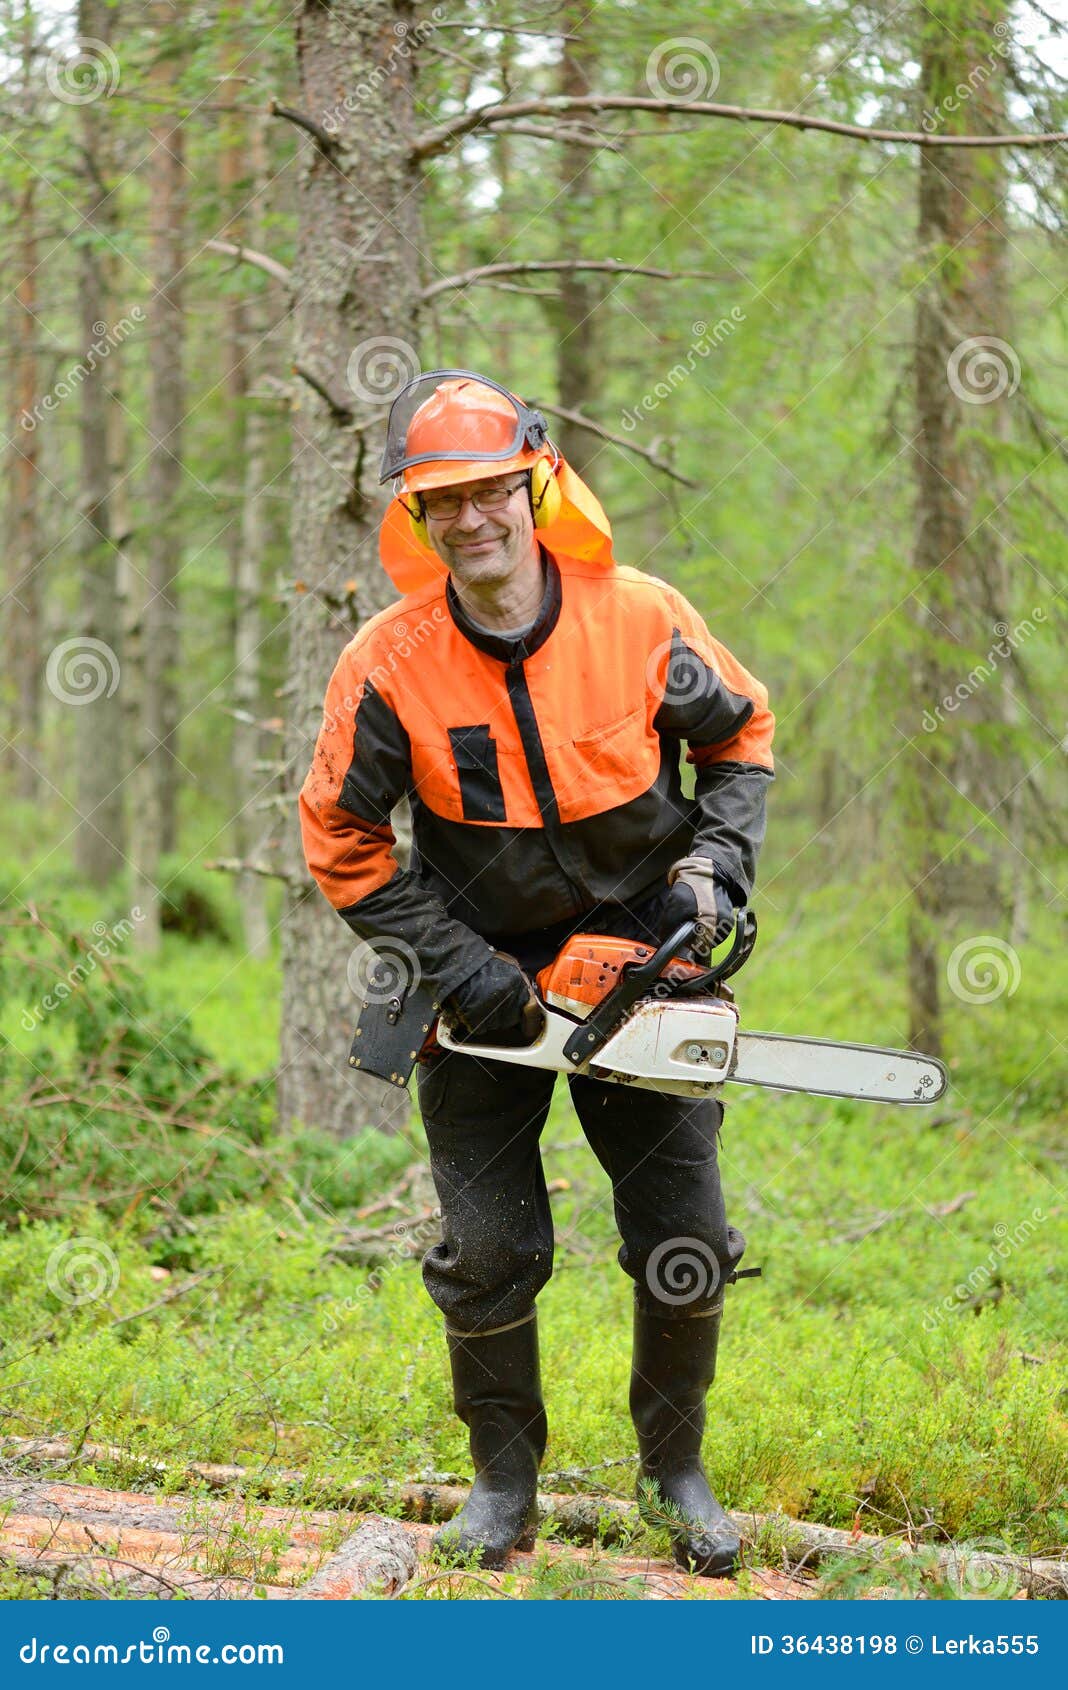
[543, 772]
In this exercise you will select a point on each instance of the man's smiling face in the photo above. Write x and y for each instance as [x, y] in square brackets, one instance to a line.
[481, 548]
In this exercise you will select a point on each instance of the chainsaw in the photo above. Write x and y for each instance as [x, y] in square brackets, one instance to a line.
[635, 1015]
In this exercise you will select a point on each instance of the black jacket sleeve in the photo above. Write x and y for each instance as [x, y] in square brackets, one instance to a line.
[361, 768]
[721, 710]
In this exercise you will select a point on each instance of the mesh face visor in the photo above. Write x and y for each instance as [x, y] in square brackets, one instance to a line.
[457, 416]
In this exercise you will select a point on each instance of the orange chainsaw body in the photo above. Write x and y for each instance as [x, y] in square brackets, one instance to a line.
[590, 965]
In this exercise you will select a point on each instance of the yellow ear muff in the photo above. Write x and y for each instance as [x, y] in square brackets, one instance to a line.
[417, 521]
[545, 495]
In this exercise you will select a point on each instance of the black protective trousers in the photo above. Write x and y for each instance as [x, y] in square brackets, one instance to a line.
[483, 1123]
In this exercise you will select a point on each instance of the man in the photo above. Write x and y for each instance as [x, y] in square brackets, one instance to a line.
[531, 696]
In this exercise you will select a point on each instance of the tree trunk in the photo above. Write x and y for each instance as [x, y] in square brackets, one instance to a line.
[999, 770]
[354, 336]
[92, 696]
[575, 314]
[255, 528]
[34, 1506]
[25, 660]
[236, 202]
[957, 558]
[131, 596]
[242, 183]
[166, 408]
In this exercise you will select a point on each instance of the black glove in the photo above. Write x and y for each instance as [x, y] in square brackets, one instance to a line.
[713, 911]
[495, 1006]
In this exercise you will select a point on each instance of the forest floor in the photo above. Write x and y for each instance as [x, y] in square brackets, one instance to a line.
[178, 1280]
[66, 1541]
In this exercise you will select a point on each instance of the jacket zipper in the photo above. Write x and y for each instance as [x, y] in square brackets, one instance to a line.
[540, 779]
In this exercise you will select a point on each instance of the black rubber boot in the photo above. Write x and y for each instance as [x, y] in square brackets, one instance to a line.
[674, 1364]
[497, 1394]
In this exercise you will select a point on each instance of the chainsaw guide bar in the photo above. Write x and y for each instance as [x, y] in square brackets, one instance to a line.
[620, 1012]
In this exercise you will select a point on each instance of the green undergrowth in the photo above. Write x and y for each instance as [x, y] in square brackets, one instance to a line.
[169, 1282]
[112, 1095]
[278, 1356]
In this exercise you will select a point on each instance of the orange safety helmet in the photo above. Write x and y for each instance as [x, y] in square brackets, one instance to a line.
[451, 426]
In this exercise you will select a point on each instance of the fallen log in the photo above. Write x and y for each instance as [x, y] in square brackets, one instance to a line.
[588, 1519]
[976, 1571]
[86, 1541]
[98, 1577]
[379, 1559]
[187, 1515]
[86, 1536]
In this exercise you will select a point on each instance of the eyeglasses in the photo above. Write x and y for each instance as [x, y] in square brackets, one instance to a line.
[443, 506]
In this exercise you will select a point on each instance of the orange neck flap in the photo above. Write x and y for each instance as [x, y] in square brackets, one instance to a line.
[581, 530]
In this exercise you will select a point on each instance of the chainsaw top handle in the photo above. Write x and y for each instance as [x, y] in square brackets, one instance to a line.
[636, 978]
[743, 939]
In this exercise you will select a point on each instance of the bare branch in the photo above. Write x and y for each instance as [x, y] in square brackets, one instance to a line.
[573, 137]
[325, 141]
[267, 725]
[1041, 425]
[339, 405]
[240, 865]
[1056, 24]
[524, 292]
[246, 255]
[435, 141]
[616, 440]
[510, 29]
[447, 53]
[608, 266]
